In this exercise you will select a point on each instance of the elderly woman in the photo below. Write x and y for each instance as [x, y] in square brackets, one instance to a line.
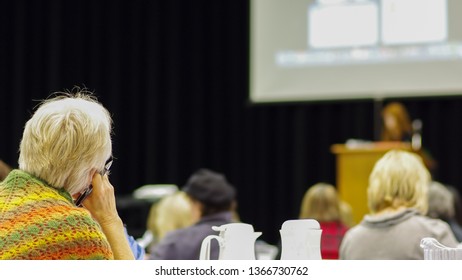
[397, 197]
[65, 152]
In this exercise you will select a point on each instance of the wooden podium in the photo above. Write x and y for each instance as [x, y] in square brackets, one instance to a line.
[354, 164]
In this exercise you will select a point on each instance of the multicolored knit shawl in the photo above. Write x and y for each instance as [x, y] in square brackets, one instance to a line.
[38, 221]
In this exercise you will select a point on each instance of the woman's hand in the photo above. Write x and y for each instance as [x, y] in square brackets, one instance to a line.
[102, 206]
[101, 202]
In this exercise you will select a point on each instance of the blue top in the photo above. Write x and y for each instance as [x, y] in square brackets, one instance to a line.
[137, 250]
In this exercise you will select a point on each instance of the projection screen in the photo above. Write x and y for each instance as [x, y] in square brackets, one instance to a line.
[307, 50]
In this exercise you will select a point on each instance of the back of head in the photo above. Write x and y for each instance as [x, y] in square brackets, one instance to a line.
[346, 214]
[67, 137]
[212, 190]
[170, 213]
[440, 202]
[399, 179]
[321, 203]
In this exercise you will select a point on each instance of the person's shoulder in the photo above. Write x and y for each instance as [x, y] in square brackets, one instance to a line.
[79, 236]
[436, 228]
[443, 232]
[430, 222]
[358, 228]
[72, 218]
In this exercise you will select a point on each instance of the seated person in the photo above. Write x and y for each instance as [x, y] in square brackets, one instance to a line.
[172, 212]
[398, 202]
[212, 200]
[65, 151]
[441, 206]
[321, 203]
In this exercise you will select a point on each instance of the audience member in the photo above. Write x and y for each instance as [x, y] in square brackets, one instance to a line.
[441, 206]
[137, 250]
[212, 200]
[170, 213]
[321, 203]
[457, 204]
[398, 202]
[66, 148]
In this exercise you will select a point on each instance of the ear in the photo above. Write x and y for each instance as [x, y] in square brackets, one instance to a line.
[90, 177]
[88, 180]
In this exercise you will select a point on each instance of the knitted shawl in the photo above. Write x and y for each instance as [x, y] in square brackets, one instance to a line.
[38, 221]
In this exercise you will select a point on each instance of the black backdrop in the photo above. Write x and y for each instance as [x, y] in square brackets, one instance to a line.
[174, 74]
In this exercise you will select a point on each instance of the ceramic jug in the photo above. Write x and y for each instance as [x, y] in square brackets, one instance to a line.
[236, 242]
[301, 240]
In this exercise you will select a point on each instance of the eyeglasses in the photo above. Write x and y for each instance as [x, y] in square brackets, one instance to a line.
[107, 166]
[87, 192]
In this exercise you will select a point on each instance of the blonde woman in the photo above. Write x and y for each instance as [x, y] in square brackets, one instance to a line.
[398, 202]
[321, 203]
[170, 213]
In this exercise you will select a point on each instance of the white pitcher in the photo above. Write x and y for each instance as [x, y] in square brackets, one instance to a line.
[301, 240]
[236, 242]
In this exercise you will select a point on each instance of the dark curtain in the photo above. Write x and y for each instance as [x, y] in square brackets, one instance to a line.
[174, 74]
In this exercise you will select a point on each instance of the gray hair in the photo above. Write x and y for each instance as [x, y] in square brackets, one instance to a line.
[440, 201]
[67, 137]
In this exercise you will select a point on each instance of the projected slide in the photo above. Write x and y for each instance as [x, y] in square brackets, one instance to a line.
[375, 32]
[348, 24]
[371, 48]
[413, 21]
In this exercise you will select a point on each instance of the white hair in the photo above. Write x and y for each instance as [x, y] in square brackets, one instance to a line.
[67, 137]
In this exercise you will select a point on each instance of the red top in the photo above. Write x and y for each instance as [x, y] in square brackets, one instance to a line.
[332, 235]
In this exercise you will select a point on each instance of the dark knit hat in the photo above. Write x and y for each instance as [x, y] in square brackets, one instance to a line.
[210, 188]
